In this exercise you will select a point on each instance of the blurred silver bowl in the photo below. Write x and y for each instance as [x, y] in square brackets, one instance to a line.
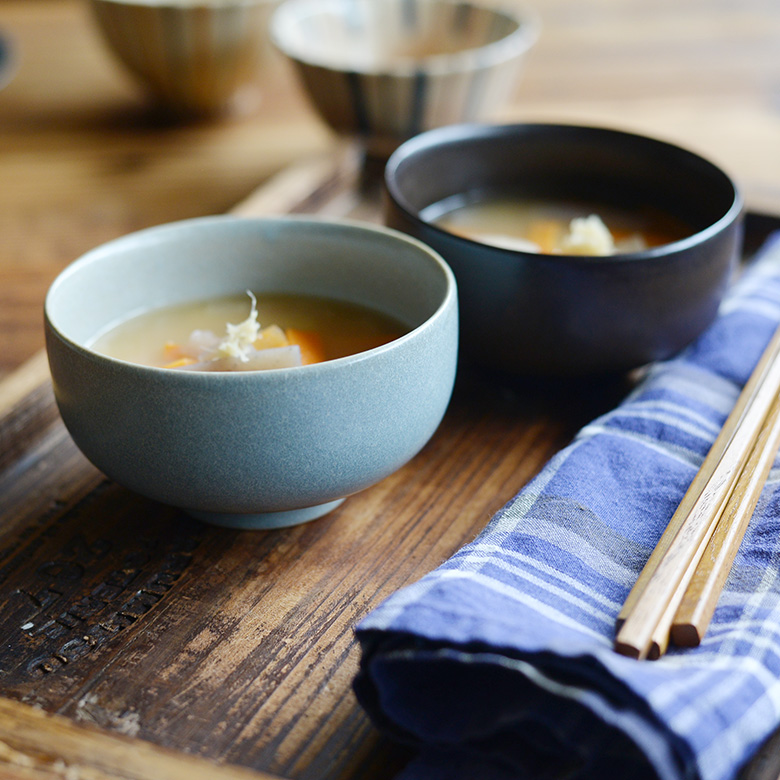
[385, 70]
[193, 56]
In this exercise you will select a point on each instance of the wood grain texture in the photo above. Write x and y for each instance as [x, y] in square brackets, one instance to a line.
[39, 746]
[238, 646]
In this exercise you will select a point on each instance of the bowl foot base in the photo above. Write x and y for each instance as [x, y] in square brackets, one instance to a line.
[266, 520]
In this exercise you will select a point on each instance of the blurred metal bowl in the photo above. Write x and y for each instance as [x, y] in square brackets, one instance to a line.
[385, 70]
[192, 56]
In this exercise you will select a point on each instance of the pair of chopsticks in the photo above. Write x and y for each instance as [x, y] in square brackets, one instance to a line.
[677, 591]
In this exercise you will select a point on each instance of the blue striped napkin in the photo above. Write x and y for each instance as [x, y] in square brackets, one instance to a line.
[499, 664]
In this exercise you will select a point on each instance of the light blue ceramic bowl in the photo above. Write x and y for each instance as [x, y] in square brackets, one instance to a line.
[259, 449]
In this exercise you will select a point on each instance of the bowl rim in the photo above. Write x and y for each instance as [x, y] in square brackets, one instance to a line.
[480, 131]
[94, 255]
[511, 46]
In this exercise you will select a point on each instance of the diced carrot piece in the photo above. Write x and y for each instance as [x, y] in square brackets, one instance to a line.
[545, 233]
[184, 361]
[310, 343]
[171, 350]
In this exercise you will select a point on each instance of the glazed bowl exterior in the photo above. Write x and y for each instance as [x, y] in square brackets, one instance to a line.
[254, 449]
[385, 70]
[194, 57]
[560, 315]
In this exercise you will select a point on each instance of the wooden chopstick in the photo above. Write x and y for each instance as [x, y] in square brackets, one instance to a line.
[659, 642]
[645, 620]
[770, 354]
[701, 596]
[689, 612]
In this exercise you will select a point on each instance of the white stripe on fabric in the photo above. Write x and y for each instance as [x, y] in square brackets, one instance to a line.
[719, 399]
[599, 563]
[607, 617]
[686, 720]
[641, 731]
[662, 697]
[676, 421]
[691, 381]
[731, 741]
[749, 628]
[752, 725]
[514, 594]
[673, 451]
[654, 410]
[683, 374]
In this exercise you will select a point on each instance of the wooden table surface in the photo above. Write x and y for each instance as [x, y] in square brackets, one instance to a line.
[83, 159]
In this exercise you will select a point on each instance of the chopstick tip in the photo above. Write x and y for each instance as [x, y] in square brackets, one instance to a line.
[685, 635]
[628, 650]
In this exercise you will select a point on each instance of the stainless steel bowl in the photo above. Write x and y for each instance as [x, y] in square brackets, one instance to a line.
[194, 57]
[385, 70]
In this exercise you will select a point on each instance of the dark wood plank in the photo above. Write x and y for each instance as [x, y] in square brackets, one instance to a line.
[238, 646]
[38, 746]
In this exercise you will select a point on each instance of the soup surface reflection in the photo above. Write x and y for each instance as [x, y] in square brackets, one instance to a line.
[556, 227]
[241, 333]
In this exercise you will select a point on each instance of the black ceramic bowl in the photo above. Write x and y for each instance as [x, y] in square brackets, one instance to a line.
[560, 315]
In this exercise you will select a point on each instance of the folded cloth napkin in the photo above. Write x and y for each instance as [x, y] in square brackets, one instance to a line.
[499, 664]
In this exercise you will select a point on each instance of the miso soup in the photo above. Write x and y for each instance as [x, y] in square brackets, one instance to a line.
[556, 227]
[243, 333]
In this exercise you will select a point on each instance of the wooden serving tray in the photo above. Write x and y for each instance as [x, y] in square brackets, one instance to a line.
[139, 643]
